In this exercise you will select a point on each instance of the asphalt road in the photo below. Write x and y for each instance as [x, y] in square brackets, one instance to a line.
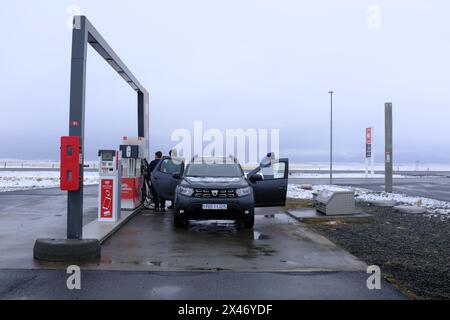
[51, 284]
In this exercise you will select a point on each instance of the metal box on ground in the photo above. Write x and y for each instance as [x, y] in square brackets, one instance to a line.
[335, 202]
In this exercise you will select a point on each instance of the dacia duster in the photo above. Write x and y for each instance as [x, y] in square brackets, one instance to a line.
[216, 188]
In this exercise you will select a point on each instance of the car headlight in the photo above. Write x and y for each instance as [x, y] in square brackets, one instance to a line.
[243, 191]
[185, 191]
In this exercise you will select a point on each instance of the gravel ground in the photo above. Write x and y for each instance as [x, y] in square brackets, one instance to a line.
[413, 251]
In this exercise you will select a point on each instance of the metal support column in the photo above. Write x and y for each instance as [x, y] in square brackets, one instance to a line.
[388, 147]
[331, 136]
[76, 122]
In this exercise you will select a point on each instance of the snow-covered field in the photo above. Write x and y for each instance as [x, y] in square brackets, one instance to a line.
[37, 164]
[312, 166]
[26, 180]
[435, 207]
[349, 175]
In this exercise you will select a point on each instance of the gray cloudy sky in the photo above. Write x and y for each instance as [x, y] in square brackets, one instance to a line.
[233, 64]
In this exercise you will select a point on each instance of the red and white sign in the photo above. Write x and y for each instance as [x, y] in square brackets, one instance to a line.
[368, 135]
[131, 192]
[107, 197]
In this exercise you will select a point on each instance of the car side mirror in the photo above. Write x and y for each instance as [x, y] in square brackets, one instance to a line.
[256, 177]
[177, 176]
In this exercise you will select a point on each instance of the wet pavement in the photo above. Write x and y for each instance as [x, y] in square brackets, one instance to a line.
[28, 215]
[150, 242]
[277, 243]
[149, 258]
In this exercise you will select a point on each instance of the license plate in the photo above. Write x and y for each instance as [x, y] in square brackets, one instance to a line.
[214, 206]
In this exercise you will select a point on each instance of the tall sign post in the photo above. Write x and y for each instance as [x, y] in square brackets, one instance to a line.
[388, 156]
[372, 158]
[369, 152]
[331, 136]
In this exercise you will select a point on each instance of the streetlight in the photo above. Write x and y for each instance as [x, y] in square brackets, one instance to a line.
[331, 136]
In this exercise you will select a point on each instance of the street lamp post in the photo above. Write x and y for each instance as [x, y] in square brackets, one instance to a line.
[331, 136]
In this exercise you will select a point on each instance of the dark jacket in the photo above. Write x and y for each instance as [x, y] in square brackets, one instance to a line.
[152, 166]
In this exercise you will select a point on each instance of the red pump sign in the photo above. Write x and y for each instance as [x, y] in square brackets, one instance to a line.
[107, 194]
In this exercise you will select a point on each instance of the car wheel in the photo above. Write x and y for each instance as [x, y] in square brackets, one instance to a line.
[179, 222]
[249, 222]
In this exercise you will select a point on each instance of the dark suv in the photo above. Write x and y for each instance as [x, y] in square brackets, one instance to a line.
[212, 188]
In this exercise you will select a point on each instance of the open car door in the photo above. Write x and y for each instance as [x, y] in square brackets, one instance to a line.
[269, 183]
[163, 179]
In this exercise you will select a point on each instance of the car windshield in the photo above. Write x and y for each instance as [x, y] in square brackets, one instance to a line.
[213, 169]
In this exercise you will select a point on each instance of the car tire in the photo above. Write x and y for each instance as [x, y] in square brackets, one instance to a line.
[179, 222]
[249, 222]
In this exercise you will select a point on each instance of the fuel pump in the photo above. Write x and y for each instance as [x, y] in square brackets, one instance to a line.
[133, 151]
[110, 174]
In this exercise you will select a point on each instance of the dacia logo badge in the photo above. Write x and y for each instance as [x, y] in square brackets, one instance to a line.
[214, 193]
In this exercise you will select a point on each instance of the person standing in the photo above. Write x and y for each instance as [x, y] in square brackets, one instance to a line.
[160, 204]
[267, 160]
[173, 166]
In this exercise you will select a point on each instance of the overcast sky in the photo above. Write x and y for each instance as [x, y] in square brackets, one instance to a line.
[234, 64]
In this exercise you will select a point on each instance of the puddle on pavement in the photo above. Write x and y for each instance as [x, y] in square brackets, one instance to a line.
[279, 217]
[224, 227]
[259, 236]
[229, 227]
[166, 290]
[147, 214]
[156, 264]
[137, 262]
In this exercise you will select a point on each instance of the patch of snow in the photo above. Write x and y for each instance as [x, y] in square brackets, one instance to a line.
[433, 206]
[296, 191]
[365, 195]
